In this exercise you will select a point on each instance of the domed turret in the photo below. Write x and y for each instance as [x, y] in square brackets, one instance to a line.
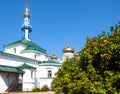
[26, 14]
[68, 52]
[77, 54]
[68, 49]
[54, 57]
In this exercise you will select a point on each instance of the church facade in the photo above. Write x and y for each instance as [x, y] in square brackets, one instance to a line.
[25, 65]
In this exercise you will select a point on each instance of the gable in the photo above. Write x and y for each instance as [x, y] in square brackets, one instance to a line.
[29, 45]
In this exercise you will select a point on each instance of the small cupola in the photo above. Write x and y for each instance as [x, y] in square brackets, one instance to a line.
[54, 57]
[77, 54]
[68, 49]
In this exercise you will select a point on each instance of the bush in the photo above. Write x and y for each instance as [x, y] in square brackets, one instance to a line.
[97, 68]
[44, 88]
[35, 90]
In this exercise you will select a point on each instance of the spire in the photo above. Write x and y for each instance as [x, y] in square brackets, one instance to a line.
[26, 5]
[26, 27]
[26, 14]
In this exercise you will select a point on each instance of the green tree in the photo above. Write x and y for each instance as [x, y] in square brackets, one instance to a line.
[97, 68]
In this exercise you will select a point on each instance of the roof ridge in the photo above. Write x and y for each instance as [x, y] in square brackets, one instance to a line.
[12, 43]
[28, 44]
[25, 66]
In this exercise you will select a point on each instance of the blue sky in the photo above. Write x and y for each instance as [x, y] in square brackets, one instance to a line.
[58, 22]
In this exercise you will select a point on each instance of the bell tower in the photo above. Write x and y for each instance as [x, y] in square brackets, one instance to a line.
[26, 27]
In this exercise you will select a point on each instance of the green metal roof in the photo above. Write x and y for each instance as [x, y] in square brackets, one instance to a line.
[26, 66]
[18, 57]
[10, 69]
[35, 49]
[51, 61]
[30, 45]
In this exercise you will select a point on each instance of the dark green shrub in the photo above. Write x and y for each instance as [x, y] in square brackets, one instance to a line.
[44, 88]
[35, 90]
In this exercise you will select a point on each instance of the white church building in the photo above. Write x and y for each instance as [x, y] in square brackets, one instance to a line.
[25, 65]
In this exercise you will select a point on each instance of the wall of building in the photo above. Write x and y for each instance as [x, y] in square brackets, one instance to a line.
[45, 81]
[29, 79]
[15, 49]
[15, 62]
[67, 55]
[39, 79]
[8, 61]
[44, 76]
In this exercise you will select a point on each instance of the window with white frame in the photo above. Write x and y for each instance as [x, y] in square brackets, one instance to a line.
[49, 74]
[32, 74]
[35, 56]
[14, 50]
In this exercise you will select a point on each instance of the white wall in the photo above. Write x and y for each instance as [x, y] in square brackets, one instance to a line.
[42, 75]
[4, 60]
[45, 82]
[41, 71]
[31, 54]
[28, 80]
[67, 55]
[3, 82]
[15, 62]
[19, 48]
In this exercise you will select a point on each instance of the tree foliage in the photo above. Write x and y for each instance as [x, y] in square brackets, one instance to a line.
[97, 68]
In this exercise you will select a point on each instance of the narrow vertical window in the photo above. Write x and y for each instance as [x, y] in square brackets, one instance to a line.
[49, 74]
[14, 50]
[35, 56]
[32, 74]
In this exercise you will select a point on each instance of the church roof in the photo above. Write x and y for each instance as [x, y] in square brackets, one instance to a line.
[35, 49]
[10, 69]
[17, 57]
[30, 45]
[25, 66]
[50, 63]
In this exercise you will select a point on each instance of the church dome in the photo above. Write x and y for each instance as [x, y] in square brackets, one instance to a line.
[68, 49]
[54, 57]
[77, 54]
[26, 14]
